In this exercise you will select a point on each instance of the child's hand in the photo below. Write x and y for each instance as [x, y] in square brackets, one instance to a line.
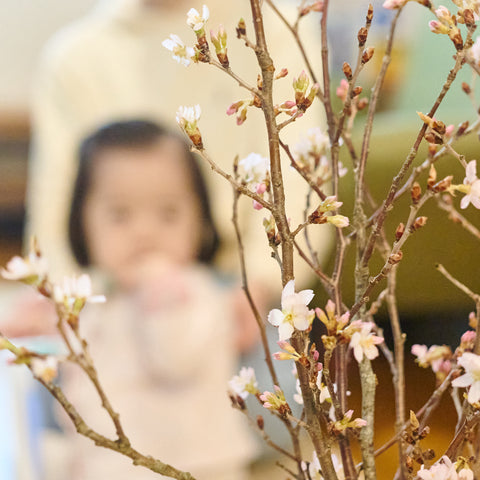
[30, 315]
[162, 284]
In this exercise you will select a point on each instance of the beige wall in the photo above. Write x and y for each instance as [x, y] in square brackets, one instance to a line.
[25, 25]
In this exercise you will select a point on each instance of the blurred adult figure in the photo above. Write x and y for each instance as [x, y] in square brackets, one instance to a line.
[111, 65]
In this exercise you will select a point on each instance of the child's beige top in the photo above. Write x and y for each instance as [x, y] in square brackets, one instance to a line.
[167, 376]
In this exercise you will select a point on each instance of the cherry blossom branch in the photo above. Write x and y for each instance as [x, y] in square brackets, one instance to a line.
[360, 63]
[238, 186]
[121, 445]
[290, 120]
[397, 364]
[399, 372]
[343, 441]
[460, 436]
[326, 73]
[85, 363]
[417, 171]
[278, 208]
[460, 158]
[388, 202]
[425, 412]
[368, 383]
[317, 427]
[394, 256]
[231, 73]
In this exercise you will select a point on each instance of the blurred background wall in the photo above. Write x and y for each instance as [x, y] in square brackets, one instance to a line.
[25, 26]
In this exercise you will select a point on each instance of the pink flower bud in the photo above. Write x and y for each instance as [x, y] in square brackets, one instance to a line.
[437, 27]
[342, 90]
[468, 337]
[233, 108]
[282, 73]
[257, 206]
[261, 188]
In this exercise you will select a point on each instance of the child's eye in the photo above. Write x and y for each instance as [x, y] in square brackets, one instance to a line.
[168, 213]
[118, 214]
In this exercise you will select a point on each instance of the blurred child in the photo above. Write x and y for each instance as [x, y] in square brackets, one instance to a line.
[166, 342]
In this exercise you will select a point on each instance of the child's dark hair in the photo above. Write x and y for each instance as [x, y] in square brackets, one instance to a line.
[133, 134]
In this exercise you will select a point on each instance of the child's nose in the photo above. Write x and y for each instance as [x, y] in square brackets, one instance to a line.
[145, 233]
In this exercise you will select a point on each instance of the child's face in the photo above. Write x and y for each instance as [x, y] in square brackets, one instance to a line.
[141, 206]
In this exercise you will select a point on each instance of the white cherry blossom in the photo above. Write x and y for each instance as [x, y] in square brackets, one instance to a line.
[444, 470]
[181, 53]
[473, 186]
[314, 467]
[188, 116]
[74, 292]
[255, 168]
[364, 342]
[244, 383]
[197, 21]
[29, 269]
[294, 313]
[471, 378]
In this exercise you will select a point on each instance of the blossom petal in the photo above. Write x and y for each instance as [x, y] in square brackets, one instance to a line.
[306, 296]
[285, 331]
[302, 322]
[358, 353]
[288, 290]
[275, 317]
[465, 201]
[474, 392]
[463, 381]
[471, 172]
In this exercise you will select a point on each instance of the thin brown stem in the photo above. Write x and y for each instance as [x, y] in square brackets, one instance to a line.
[238, 79]
[373, 106]
[294, 31]
[246, 289]
[457, 217]
[474, 296]
[460, 436]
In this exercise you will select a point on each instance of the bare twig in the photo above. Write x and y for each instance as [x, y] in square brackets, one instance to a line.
[251, 302]
[457, 217]
[121, 445]
[294, 31]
